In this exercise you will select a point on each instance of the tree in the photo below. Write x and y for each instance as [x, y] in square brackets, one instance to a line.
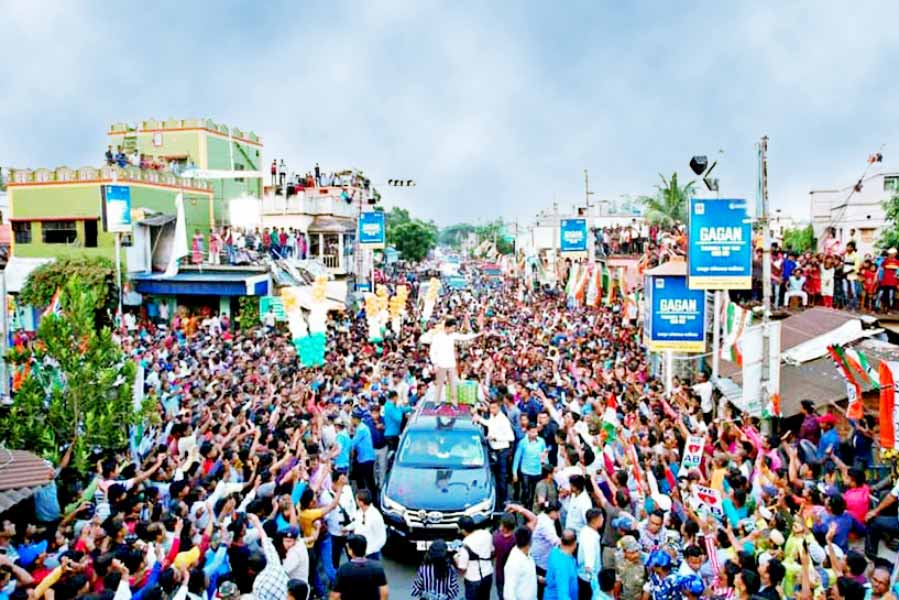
[79, 387]
[800, 240]
[453, 235]
[414, 239]
[889, 236]
[495, 231]
[669, 205]
[95, 273]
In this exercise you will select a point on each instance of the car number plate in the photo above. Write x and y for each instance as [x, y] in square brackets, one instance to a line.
[422, 545]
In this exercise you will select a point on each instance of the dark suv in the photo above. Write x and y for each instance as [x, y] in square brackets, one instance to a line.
[441, 472]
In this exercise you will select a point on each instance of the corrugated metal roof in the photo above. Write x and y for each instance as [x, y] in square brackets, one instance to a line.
[21, 473]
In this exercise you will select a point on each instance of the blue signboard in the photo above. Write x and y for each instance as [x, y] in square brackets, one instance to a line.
[675, 315]
[117, 208]
[371, 229]
[719, 254]
[573, 236]
[455, 282]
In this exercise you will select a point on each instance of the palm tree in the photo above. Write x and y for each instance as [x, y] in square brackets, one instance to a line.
[669, 206]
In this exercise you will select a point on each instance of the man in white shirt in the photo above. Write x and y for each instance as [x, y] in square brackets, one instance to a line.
[340, 518]
[520, 573]
[579, 506]
[475, 560]
[296, 562]
[443, 340]
[500, 437]
[589, 552]
[703, 389]
[369, 524]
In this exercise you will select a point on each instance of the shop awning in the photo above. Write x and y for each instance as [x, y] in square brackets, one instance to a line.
[19, 268]
[21, 474]
[331, 225]
[211, 283]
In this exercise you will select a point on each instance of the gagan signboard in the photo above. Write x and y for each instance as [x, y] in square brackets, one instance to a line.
[675, 315]
[719, 251]
[371, 229]
[116, 208]
[573, 236]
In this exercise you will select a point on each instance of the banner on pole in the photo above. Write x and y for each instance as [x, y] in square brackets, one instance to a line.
[719, 249]
[372, 231]
[675, 315]
[116, 208]
[573, 237]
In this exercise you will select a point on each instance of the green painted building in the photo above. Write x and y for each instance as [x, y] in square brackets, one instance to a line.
[58, 212]
[201, 143]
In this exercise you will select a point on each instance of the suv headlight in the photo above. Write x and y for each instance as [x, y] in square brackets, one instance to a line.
[480, 508]
[392, 506]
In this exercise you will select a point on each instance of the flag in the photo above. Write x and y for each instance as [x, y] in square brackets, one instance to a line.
[592, 287]
[736, 320]
[858, 362]
[572, 280]
[889, 417]
[583, 279]
[54, 308]
[622, 281]
[609, 286]
[597, 276]
[852, 374]
[179, 246]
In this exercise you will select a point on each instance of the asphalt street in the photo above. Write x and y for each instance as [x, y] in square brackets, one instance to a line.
[400, 570]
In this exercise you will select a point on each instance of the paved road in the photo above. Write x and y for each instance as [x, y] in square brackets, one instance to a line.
[400, 573]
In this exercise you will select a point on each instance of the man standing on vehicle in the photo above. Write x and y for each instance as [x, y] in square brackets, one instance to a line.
[475, 560]
[500, 437]
[443, 340]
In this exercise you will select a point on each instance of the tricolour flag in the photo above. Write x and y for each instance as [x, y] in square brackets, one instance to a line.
[583, 279]
[889, 415]
[592, 287]
[736, 320]
[855, 378]
[54, 308]
[572, 280]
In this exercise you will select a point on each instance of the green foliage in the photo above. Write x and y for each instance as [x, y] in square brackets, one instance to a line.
[413, 238]
[453, 235]
[248, 312]
[800, 240]
[669, 205]
[79, 389]
[889, 236]
[95, 273]
[495, 231]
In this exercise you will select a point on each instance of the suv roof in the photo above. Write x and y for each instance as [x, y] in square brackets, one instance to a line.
[432, 416]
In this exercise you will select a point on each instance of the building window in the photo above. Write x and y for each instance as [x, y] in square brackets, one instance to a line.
[867, 234]
[239, 168]
[59, 232]
[891, 183]
[22, 231]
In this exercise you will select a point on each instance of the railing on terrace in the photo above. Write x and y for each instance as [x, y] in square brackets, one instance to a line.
[174, 124]
[107, 173]
[309, 203]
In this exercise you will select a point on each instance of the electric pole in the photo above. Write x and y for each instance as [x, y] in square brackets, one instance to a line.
[766, 273]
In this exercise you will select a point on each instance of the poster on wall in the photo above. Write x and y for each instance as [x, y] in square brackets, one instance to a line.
[573, 237]
[675, 317]
[116, 205]
[719, 248]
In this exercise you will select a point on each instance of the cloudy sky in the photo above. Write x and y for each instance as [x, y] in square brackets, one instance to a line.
[494, 108]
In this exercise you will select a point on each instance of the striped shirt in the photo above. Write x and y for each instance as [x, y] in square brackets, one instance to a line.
[428, 586]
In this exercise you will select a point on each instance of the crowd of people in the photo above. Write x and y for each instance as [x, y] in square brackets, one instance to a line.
[260, 478]
[121, 159]
[241, 246]
[837, 276]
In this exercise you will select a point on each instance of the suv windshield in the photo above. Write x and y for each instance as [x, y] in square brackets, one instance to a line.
[442, 449]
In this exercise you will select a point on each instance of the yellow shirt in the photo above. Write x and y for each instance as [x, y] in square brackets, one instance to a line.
[308, 518]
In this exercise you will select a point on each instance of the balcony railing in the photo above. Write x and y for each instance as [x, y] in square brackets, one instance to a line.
[309, 203]
[331, 261]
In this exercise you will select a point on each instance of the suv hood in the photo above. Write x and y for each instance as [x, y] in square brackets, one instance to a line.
[438, 489]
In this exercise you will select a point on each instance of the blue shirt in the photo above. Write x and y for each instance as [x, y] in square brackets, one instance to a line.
[393, 418]
[846, 523]
[530, 456]
[788, 266]
[561, 576]
[362, 444]
[342, 460]
[830, 440]
[46, 503]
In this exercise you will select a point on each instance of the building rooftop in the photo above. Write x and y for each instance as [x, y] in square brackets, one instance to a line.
[104, 174]
[152, 125]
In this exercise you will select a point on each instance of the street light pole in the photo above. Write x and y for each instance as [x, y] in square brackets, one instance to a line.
[766, 273]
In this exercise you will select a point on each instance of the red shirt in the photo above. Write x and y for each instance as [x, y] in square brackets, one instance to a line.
[889, 272]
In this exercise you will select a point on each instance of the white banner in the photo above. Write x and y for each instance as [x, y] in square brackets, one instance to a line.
[693, 452]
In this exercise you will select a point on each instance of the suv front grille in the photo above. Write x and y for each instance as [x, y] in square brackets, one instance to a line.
[432, 518]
